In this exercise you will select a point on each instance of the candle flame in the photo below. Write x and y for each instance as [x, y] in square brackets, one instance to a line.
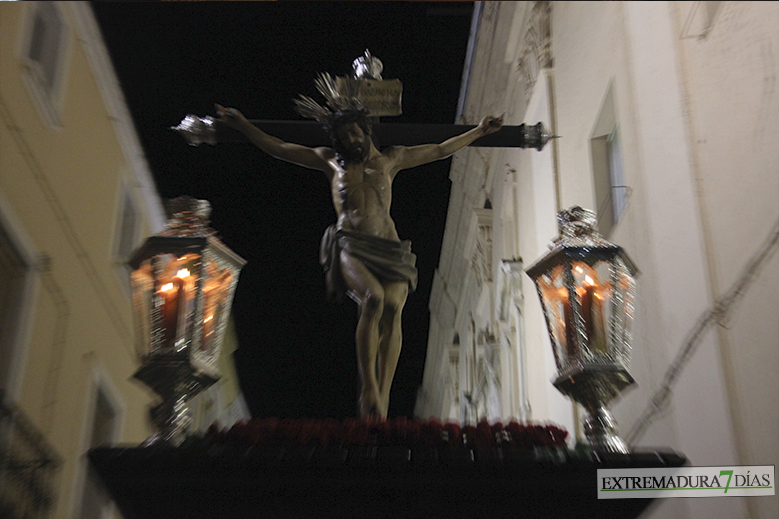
[182, 273]
[166, 287]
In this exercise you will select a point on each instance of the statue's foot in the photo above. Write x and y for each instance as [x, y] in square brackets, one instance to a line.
[371, 408]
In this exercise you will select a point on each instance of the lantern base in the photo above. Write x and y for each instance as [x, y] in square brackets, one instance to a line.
[594, 386]
[600, 429]
[177, 381]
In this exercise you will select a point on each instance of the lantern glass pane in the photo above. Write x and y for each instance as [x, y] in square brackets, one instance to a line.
[554, 297]
[217, 294]
[623, 305]
[164, 287]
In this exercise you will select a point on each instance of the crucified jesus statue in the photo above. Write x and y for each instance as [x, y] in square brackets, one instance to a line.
[361, 253]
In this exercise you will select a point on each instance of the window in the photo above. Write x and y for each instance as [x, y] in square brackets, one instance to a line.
[13, 273]
[43, 55]
[95, 501]
[18, 286]
[611, 193]
[128, 227]
[126, 235]
[700, 18]
[618, 189]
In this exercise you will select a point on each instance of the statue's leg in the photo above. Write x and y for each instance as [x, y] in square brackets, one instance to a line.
[367, 291]
[391, 339]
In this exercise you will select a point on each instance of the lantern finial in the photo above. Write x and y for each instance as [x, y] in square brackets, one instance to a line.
[576, 222]
[188, 216]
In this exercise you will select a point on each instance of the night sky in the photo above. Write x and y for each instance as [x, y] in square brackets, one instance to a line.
[296, 357]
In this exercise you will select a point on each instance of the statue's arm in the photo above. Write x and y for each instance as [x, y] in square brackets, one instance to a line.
[313, 158]
[409, 157]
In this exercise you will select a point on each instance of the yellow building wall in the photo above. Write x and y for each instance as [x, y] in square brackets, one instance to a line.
[63, 185]
[63, 188]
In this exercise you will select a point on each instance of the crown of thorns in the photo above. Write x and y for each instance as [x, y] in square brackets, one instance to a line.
[336, 99]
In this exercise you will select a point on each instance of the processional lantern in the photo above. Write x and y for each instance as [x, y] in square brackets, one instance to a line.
[587, 289]
[183, 283]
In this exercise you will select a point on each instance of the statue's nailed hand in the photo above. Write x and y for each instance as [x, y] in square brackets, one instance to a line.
[490, 124]
[230, 116]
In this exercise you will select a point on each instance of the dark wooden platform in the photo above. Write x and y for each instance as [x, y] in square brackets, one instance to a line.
[372, 482]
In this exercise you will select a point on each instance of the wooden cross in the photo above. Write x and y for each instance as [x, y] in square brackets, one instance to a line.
[197, 130]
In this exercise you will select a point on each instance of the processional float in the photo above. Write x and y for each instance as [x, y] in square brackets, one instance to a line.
[184, 279]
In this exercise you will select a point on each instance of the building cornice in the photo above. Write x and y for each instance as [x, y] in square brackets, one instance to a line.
[91, 39]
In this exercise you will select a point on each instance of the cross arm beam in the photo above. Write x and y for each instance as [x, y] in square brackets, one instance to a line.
[198, 130]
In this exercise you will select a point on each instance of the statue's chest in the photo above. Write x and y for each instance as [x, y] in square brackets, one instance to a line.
[363, 177]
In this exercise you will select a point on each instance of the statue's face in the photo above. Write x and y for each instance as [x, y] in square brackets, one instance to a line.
[354, 142]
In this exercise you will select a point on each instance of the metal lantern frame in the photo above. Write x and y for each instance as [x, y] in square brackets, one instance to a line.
[586, 286]
[183, 283]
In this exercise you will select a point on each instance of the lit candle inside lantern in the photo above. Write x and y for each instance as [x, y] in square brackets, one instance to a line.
[570, 345]
[174, 300]
[592, 311]
[170, 311]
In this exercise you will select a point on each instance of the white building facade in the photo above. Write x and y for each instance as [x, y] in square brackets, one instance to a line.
[669, 117]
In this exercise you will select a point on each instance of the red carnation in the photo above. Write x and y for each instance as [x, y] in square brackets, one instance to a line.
[431, 433]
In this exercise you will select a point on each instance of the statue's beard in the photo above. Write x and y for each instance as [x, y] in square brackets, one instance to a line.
[355, 154]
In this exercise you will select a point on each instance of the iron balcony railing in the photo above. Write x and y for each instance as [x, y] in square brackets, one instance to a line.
[28, 467]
